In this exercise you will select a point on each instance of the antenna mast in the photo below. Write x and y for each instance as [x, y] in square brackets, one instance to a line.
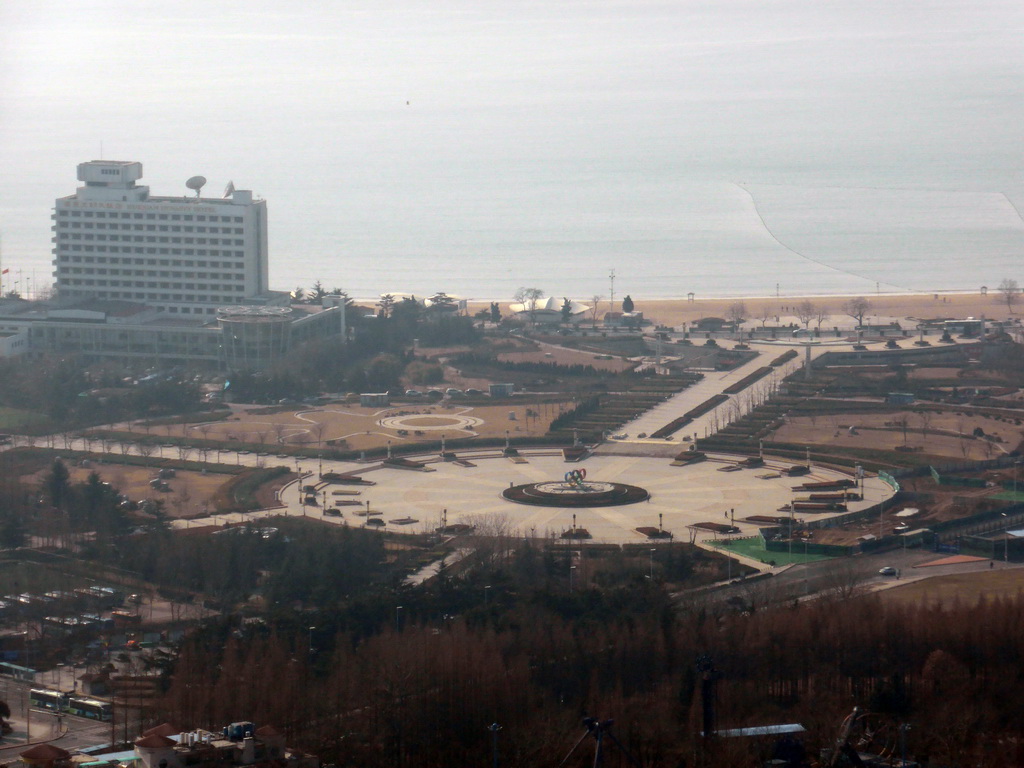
[611, 292]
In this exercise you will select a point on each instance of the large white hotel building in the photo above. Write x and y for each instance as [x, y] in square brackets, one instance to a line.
[180, 280]
[184, 255]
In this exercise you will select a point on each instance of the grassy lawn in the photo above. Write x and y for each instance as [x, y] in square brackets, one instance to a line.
[967, 588]
[1010, 495]
[753, 548]
[13, 418]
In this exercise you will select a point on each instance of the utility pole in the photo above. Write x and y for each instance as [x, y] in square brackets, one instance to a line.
[611, 292]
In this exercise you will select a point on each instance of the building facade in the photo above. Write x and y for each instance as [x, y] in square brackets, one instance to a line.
[162, 280]
[188, 256]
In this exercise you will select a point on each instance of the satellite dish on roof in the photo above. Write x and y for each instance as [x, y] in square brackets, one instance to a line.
[196, 183]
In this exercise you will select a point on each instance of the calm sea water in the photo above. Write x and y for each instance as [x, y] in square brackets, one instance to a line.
[721, 147]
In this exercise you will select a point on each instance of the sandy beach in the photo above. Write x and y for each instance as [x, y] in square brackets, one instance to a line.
[675, 312]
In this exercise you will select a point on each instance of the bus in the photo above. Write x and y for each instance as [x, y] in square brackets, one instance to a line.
[44, 699]
[91, 708]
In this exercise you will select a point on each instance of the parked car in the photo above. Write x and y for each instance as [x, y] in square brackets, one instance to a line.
[888, 570]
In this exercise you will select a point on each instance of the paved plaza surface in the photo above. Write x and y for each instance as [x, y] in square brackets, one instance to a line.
[682, 496]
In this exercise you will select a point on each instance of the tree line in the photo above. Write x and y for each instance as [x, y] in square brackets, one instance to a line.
[510, 644]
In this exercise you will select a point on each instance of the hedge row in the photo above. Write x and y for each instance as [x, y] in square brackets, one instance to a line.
[784, 358]
[678, 423]
[747, 380]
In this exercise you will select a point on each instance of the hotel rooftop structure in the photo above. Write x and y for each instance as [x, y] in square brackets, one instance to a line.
[162, 279]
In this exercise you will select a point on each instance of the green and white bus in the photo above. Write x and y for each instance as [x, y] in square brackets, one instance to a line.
[91, 708]
[45, 699]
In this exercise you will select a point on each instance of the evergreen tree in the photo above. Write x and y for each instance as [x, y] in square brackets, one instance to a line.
[566, 310]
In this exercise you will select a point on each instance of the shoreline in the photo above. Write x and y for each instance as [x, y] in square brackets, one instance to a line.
[887, 306]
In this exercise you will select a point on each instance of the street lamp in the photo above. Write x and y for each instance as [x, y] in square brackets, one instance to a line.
[398, 617]
[494, 728]
[572, 568]
[311, 640]
[487, 589]
[652, 564]
[791, 511]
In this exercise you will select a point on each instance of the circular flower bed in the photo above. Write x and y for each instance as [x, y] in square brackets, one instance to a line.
[583, 494]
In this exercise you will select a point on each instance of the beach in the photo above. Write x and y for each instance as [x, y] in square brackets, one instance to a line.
[904, 308]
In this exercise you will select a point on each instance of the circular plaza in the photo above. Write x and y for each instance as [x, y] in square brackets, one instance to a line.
[430, 422]
[695, 500]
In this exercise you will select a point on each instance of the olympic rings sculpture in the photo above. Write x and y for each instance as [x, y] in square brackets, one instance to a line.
[576, 476]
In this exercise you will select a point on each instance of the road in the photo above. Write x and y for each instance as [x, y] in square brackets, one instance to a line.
[843, 577]
[34, 725]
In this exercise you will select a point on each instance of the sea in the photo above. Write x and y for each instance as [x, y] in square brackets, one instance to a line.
[655, 148]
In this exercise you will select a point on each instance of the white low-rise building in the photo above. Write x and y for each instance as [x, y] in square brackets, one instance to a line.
[548, 311]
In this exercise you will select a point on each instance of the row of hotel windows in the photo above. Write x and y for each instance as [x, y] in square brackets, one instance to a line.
[64, 258]
[129, 296]
[163, 251]
[64, 237]
[154, 273]
[152, 284]
[152, 216]
[148, 227]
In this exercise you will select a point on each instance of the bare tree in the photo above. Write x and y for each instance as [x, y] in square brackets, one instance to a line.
[856, 308]
[926, 420]
[821, 314]
[595, 307]
[529, 297]
[903, 422]
[737, 312]
[766, 314]
[1009, 293]
[806, 311]
[962, 437]
[181, 500]
[844, 580]
[493, 537]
